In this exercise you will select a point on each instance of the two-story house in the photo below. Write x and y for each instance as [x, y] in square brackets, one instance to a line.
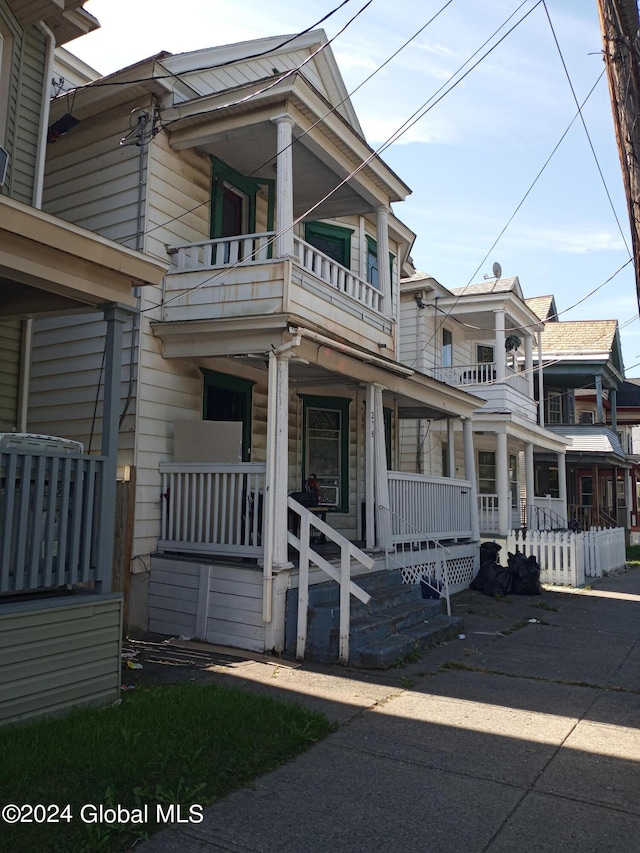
[583, 369]
[60, 626]
[266, 364]
[483, 338]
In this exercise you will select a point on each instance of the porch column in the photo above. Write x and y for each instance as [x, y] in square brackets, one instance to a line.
[383, 517]
[384, 272]
[627, 498]
[528, 363]
[562, 483]
[470, 474]
[613, 402]
[369, 488]
[115, 317]
[540, 383]
[599, 406]
[502, 485]
[529, 483]
[500, 352]
[278, 459]
[451, 447]
[284, 185]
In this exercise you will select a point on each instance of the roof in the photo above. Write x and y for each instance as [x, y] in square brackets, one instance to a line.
[629, 394]
[493, 285]
[543, 307]
[592, 439]
[580, 337]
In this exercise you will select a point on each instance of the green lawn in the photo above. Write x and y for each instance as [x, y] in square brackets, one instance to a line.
[187, 744]
[633, 554]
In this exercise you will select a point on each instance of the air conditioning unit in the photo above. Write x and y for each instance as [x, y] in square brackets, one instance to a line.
[328, 496]
[32, 441]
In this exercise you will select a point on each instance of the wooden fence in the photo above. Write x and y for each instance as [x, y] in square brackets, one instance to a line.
[568, 559]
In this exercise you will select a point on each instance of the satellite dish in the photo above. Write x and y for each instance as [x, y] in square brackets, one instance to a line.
[497, 270]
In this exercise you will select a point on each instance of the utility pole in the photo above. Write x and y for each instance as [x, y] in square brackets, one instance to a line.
[621, 47]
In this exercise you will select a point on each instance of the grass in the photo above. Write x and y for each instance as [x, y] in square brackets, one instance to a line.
[187, 744]
[633, 555]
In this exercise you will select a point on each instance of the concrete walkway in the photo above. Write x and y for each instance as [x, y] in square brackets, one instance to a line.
[519, 736]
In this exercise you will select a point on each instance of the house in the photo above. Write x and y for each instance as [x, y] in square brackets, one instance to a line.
[583, 369]
[267, 362]
[627, 421]
[60, 624]
[482, 338]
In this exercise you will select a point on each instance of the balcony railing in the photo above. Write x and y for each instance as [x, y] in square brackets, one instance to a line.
[50, 512]
[250, 249]
[479, 374]
[437, 506]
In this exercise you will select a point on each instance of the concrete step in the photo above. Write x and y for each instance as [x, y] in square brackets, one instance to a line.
[329, 591]
[385, 653]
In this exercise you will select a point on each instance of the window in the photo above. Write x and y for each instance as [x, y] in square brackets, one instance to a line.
[486, 472]
[326, 448]
[332, 240]
[373, 276]
[484, 354]
[586, 491]
[513, 480]
[234, 201]
[546, 480]
[554, 407]
[447, 348]
[227, 398]
[586, 418]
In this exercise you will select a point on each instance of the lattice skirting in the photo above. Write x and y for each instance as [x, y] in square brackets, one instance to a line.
[461, 566]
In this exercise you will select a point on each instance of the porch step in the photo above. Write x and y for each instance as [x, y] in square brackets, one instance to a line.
[396, 621]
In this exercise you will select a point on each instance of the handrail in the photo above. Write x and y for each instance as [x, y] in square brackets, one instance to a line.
[422, 537]
[343, 576]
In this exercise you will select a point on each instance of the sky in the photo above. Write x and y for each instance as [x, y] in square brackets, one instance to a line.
[473, 155]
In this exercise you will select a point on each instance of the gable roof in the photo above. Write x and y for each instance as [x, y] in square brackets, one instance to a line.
[629, 394]
[544, 307]
[580, 338]
[494, 285]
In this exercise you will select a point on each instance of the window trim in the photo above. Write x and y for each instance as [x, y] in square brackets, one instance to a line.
[213, 379]
[224, 175]
[332, 232]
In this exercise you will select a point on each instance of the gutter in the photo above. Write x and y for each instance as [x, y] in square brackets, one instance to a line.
[352, 351]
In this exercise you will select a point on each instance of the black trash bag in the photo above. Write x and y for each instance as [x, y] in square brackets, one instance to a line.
[486, 575]
[489, 552]
[525, 573]
[500, 582]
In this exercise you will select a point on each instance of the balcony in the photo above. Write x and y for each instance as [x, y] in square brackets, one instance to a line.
[511, 393]
[237, 277]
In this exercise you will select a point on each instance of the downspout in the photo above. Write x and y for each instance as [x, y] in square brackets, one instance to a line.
[267, 572]
[38, 186]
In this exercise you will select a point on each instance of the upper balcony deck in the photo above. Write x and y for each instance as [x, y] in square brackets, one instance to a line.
[512, 393]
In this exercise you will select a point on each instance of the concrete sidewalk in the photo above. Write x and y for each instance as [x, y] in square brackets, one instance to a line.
[519, 736]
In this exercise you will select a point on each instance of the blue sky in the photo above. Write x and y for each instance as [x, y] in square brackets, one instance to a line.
[473, 156]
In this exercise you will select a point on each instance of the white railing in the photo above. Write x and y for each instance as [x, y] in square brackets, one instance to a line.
[566, 558]
[488, 513]
[438, 506]
[50, 513]
[212, 508]
[225, 251]
[337, 276]
[516, 380]
[483, 373]
[342, 575]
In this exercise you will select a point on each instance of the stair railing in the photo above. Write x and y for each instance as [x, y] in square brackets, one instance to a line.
[421, 538]
[342, 575]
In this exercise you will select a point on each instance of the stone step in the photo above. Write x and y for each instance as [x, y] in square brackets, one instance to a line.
[385, 653]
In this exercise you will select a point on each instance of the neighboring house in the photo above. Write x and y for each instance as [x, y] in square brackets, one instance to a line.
[627, 423]
[583, 369]
[482, 338]
[269, 355]
[60, 626]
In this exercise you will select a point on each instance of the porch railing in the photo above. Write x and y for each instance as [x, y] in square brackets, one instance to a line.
[342, 575]
[588, 516]
[50, 512]
[483, 373]
[226, 251]
[488, 513]
[212, 508]
[438, 506]
[337, 276]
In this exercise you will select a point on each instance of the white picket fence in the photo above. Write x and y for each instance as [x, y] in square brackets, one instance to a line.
[568, 559]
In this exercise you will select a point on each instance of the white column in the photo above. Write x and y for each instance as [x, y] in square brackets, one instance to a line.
[529, 483]
[502, 485]
[370, 488]
[540, 383]
[284, 186]
[470, 474]
[528, 363]
[500, 352]
[280, 478]
[384, 272]
[383, 518]
[451, 446]
[562, 483]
